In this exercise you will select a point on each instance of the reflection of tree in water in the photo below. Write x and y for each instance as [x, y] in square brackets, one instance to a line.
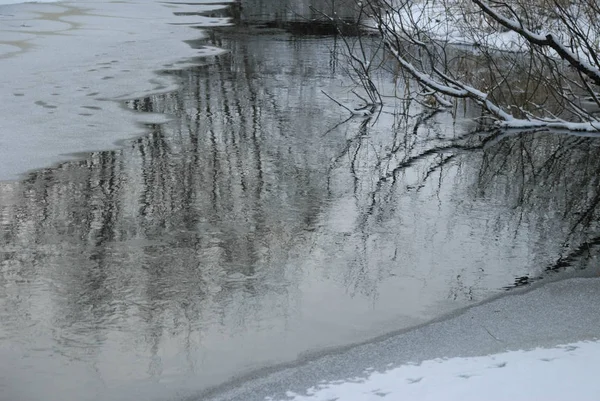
[385, 169]
[279, 12]
[52, 211]
[186, 232]
[537, 192]
[552, 183]
[554, 173]
[200, 229]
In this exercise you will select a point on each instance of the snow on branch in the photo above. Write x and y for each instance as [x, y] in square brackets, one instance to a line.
[518, 86]
[457, 90]
[557, 124]
[548, 40]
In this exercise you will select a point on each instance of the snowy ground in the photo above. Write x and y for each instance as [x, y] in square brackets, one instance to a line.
[450, 22]
[560, 373]
[539, 344]
[460, 22]
[62, 66]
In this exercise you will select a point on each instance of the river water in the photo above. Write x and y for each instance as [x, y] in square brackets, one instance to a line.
[262, 224]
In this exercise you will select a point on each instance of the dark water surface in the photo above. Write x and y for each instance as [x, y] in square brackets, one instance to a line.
[255, 227]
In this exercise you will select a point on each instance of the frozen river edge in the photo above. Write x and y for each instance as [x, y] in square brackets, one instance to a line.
[545, 315]
[69, 108]
[67, 67]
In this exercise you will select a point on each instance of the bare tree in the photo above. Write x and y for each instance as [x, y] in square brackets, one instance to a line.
[528, 64]
[360, 58]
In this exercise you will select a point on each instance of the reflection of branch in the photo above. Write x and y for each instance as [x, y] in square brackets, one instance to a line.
[441, 164]
[557, 181]
[588, 213]
[561, 264]
[421, 120]
[410, 162]
[336, 126]
[338, 103]
[436, 150]
[569, 259]
[359, 60]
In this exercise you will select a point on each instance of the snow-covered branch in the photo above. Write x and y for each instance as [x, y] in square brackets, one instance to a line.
[522, 77]
[547, 39]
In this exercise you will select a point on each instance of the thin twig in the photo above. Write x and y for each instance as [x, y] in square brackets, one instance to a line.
[338, 103]
[493, 336]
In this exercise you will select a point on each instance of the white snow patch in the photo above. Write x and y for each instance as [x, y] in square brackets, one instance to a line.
[446, 21]
[561, 373]
[454, 22]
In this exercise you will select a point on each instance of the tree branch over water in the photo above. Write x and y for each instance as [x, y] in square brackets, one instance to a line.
[522, 75]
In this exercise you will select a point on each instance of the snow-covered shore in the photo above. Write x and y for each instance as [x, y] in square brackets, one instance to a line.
[557, 325]
[559, 373]
[62, 66]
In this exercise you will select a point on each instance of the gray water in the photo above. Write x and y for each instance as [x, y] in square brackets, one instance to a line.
[261, 224]
[283, 12]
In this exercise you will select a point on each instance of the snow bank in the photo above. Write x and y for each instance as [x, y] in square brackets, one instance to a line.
[460, 22]
[561, 373]
[446, 21]
[62, 65]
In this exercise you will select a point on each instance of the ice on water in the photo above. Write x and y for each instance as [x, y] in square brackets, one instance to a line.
[62, 66]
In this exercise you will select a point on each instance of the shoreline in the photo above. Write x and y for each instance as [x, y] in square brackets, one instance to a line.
[306, 358]
[536, 327]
